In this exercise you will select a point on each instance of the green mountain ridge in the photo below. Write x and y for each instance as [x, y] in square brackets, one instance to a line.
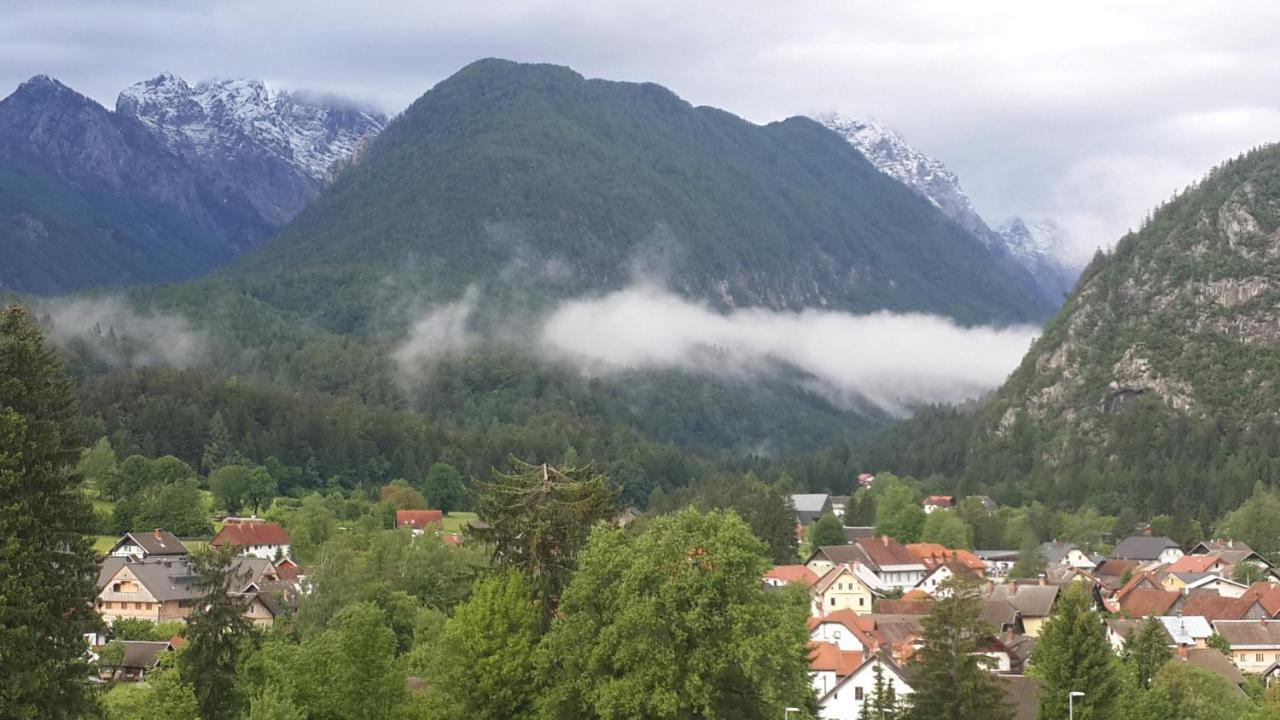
[1158, 380]
[530, 176]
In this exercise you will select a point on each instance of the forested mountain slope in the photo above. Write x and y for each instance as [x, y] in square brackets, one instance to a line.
[1159, 379]
[534, 178]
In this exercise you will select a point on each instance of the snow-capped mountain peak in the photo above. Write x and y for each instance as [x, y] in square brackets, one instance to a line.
[895, 157]
[214, 118]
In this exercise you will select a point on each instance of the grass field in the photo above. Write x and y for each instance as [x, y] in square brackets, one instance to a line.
[455, 521]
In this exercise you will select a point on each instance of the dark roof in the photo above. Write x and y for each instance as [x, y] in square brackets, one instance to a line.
[1000, 613]
[250, 532]
[1056, 552]
[1031, 600]
[840, 554]
[156, 542]
[143, 654]
[1216, 663]
[884, 551]
[1142, 547]
[165, 578]
[1023, 693]
[858, 533]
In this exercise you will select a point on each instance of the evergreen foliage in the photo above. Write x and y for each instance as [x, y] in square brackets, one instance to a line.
[828, 530]
[217, 634]
[47, 565]
[951, 681]
[1148, 651]
[1072, 653]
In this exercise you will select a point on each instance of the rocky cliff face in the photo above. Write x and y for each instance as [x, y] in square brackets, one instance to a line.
[1185, 313]
[280, 147]
[1035, 250]
[179, 181]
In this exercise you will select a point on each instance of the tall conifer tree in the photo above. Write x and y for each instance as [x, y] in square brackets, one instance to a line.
[46, 563]
[1073, 654]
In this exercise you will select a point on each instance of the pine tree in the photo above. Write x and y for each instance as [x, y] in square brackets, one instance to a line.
[46, 563]
[1147, 651]
[951, 682]
[1073, 654]
[883, 703]
[217, 633]
[1030, 560]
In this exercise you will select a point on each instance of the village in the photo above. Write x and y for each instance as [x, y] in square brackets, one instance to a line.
[870, 595]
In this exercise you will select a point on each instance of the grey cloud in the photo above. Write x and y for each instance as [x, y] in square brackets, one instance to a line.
[113, 332]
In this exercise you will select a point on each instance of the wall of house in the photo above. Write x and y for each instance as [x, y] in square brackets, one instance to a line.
[846, 593]
[1032, 626]
[1255, 660]
[846, 702]
[820, 566]
[114, 609]
[832, 632]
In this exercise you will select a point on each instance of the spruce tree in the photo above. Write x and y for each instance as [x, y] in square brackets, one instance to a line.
[1072, 654]
[217, 634]
[1148, 651]
[951, 682]
[1030, 560]
[46, 564]
[883, 703]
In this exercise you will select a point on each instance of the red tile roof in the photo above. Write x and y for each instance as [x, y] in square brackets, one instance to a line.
[933, 555]
[418, 519]
[1139, 581]
[792, 574]
[939, 500]
[861, 626]
[288, 572]
[451, 539]
[1267, 593]
[1213, 606]
[250, 532]
[829, 657]
[1142, 602]
[1192, 564]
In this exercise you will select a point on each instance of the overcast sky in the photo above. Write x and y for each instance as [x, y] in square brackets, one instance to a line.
[1077, 111]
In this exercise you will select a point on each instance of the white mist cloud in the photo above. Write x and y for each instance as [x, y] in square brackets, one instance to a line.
[892, 360]
[439, 331]
[114, 333]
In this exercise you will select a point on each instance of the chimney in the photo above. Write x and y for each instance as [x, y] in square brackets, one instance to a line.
[884, 539]
[156, 533]
[1182, 651]
[1043, 581]
[1008, 636]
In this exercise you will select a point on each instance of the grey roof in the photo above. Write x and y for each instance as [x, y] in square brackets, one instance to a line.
[810, 502]
[156, 542]
[1217, 663]
[1186, 630]
[997, 554]
[1142, 547]
[1031, 600]
[858, 533]
[1249, 633]
[1000, 613]
[1023, 693]
[165, 578]
[143, 654]
[842, 554]
[1056, 552]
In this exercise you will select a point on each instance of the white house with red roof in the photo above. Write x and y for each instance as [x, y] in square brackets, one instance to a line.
[419, 521]
[844, 701]
[254, 537]
[938, 502]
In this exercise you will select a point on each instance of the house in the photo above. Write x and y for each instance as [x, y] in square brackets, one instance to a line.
[262, 609]
[845, 700]
[842, 589]
[155, 589]
[1213, 606]
[898, 635]
[1065, 553]
[419, 521]
[1200, 563]
[860, 532]
[1120, 630]
[254, 537]
[157, 543]
[828, 665]
[1255, 644]
[893, 565]
[1267, 593]
[1033, 602]
[998, 562]
[846, 629]
[1186, 582]
[1147, 549]
[1141, 602]
[938, 502]
[140, 658]
[942, 573]
[934, 554]
[1007, 652]
[866, 480]
[780, 575]
[1113, 574]
[810, 506]
[1187, 630]
[838, 505]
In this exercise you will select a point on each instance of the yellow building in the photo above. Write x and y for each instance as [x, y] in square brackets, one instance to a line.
[841, 589]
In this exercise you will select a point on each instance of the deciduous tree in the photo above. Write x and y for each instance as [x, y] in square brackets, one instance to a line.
[828, 530]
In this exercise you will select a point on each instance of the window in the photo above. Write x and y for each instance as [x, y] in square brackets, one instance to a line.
[833, 602]
[862, 601]
[1260, 657]
[115, 587]
[857, 693]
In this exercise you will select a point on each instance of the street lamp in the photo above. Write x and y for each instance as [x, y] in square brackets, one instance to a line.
[786, 712]
[1071, 699]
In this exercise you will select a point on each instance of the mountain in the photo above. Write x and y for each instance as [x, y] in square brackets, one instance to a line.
[1032, 256]
[280, 147]
[90, 197]
[534, 180]
[1157, 383]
